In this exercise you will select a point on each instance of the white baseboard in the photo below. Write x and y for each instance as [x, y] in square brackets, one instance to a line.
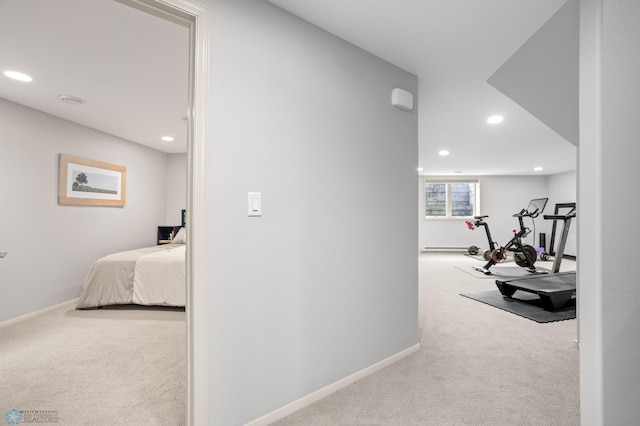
[332, 388]
[24, 317]
[426, 249]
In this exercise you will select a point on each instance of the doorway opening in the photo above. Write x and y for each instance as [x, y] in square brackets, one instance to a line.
[196, 18]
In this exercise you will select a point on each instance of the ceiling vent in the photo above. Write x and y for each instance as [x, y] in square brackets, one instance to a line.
[72, 100]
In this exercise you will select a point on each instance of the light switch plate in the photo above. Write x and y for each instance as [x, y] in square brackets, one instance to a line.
[254, 205]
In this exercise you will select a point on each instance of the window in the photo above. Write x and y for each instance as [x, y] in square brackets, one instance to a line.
[450, 199]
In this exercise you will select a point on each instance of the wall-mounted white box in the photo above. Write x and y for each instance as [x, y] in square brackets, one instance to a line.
[402, 99]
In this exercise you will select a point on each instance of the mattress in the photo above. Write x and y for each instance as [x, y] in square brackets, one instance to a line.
[146, 276]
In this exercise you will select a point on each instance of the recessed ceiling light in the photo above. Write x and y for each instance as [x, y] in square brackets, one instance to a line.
[71, 100]
[420, 169]
[537, 169]
[15, 75]
[495, 119]
[443, 153]
[167, 138]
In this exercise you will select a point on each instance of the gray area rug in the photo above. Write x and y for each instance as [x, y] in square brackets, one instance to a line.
[526, 305]
[499, 271]
[480, 258]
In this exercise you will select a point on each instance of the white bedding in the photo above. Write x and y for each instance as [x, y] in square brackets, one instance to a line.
[147, 276]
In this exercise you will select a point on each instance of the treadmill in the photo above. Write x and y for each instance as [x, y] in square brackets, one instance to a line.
[554, 289]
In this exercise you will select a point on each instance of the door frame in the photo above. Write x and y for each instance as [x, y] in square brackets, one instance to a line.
[196, 17]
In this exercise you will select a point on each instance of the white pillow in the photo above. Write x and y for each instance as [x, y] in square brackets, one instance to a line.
[181, 237]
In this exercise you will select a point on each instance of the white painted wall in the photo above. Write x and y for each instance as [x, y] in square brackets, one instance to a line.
[50, 247]
[608, 269]
[325, 283]
[500, 198]
[176, 188]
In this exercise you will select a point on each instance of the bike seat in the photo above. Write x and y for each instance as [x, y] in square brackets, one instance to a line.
[480, 217]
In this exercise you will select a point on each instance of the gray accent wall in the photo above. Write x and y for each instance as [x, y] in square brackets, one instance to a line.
[50, 246]
[542, 75]
[325, 283]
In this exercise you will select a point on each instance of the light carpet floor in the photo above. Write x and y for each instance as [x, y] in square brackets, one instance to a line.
[478, 365]
[113, 366]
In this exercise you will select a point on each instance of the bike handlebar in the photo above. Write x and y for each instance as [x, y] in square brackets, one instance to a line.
[525, 213]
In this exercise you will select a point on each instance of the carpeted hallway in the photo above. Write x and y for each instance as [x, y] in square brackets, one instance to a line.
[478, 365]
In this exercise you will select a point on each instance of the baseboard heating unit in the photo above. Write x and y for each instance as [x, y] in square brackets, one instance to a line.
[426, 249]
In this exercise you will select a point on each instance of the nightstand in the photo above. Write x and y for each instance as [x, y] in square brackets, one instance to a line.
[166, 233]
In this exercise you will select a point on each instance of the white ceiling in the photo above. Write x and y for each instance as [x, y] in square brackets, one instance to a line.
[454, 46]
[131, 68]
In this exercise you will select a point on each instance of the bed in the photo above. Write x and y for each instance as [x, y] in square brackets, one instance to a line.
[146, 276]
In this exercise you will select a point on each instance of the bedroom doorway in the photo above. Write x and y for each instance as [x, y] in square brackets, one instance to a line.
[197, 18]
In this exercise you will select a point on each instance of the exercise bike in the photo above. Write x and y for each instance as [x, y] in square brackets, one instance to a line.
[479, 222]
[524, 255]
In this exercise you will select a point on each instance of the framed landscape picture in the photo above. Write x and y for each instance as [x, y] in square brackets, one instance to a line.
[90, 182]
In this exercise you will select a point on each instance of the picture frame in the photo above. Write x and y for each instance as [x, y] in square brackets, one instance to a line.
[90, 182]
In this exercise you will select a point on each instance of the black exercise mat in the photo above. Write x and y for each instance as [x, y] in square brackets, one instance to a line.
[526, 305]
